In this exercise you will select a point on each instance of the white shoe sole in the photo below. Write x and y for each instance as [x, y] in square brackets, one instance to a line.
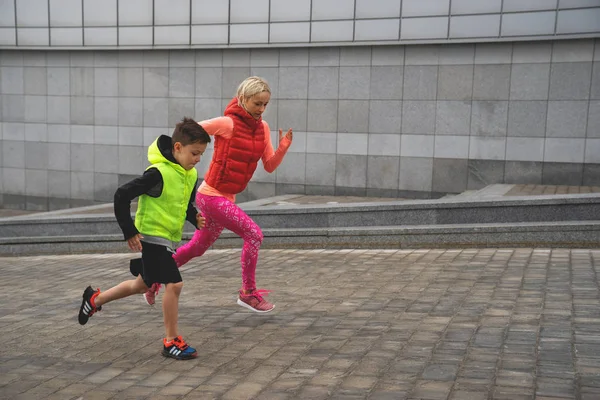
[241, 303]
[146, 301]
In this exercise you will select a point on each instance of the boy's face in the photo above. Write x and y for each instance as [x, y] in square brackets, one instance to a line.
[188, 156]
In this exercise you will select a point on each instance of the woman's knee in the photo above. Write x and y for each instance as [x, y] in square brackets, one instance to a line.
[254, 235]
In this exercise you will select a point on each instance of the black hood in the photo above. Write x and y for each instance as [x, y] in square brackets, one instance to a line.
[165, 145]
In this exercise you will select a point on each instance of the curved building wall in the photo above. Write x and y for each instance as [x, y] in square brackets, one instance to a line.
[222, 23]
[379, 117]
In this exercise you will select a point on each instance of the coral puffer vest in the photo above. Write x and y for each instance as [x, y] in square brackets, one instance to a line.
[234, 160]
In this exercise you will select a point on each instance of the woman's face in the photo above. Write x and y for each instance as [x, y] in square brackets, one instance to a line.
[256, 104]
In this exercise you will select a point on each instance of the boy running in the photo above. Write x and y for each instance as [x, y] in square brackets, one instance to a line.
[166, 193]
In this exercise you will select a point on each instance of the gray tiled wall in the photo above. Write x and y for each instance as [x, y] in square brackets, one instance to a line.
[415, 120]
[210, 23]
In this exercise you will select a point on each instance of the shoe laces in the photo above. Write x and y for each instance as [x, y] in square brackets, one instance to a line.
[154, 288]
[93, 303]
[177, 342]
[258, 294]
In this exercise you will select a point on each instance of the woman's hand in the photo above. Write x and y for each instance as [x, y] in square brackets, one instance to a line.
[289, 135]
[200, 221]
[134, 242]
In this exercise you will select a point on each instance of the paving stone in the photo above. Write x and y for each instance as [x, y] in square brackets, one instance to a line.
[552, 398]
[440, 372]
[314, 392]
[359, 382]
[468, 395]
[432, 390]
[388, 395]
[514, 378]
[556, 387]
[512, 393]
[243, 390]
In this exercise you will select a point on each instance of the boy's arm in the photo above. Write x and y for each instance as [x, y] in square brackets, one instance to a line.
[129, 191]
[192, 213]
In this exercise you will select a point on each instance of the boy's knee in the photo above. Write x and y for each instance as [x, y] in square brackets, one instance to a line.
[140, 286]
[176, 287]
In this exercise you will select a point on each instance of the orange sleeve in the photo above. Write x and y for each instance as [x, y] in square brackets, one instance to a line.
[272, 158]
[220, 126]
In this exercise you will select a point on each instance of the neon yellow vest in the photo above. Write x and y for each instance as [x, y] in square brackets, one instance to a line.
[164, 216]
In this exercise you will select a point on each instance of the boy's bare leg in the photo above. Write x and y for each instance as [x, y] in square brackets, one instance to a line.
[170, 308]
[123, 289]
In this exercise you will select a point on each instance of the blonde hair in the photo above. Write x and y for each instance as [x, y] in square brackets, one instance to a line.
[251, 86]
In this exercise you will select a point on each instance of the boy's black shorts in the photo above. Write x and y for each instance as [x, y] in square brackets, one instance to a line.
[156, 265]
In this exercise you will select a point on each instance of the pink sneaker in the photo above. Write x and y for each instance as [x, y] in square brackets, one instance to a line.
[255, 301]
[150, 295]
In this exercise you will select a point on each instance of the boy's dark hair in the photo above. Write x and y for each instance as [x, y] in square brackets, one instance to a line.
[189, 131]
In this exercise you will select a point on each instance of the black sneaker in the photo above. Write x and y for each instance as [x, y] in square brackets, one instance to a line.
[178, 349]
[88, 308]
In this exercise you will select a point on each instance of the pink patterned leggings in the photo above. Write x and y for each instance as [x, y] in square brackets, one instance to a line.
[221, 213]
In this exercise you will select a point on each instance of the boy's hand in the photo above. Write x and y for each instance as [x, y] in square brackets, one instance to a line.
[134, 242]
[200, 221]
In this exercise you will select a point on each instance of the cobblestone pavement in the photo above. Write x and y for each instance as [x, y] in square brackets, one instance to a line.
[377, 324]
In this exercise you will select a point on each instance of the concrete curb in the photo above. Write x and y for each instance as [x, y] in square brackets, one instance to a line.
[540, 234]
